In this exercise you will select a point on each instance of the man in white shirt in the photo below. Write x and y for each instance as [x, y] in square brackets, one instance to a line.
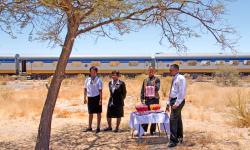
[176, 102]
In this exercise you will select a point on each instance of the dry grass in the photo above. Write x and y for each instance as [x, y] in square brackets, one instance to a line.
[202, 96]
[206, 113]
[240, 103]
[17, 103]
[4, 79]
[62, 113]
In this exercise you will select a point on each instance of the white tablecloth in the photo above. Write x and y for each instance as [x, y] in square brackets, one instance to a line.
[160, 117]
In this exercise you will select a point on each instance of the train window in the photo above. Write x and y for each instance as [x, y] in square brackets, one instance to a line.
[246, 62]
[177, 62]
[114, 63]
[192, 63]
[86, 65]
[161, 64]
[219, 62]
[133, 63]
[234, 62]
[37, 64]
[76, 64]
[95, 63]
[205, 63]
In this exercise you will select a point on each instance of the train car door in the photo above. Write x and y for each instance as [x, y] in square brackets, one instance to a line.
[17, 61]
[24, 66]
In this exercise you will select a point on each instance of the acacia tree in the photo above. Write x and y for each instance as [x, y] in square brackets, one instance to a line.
[62, 21]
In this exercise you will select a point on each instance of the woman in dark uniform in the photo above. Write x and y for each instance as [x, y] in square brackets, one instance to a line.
[118, 92]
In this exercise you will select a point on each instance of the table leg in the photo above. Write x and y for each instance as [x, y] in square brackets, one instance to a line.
[165, 130]
[158, 129]
[139, 131]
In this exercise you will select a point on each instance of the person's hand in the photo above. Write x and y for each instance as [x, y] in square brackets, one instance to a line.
[85, 101]
[167, 108]
[175, 106]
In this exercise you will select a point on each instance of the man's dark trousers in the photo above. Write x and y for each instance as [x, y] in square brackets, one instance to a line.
[176, 127]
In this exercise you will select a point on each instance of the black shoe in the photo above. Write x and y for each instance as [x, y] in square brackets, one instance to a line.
[116, 130]
[152, 133]
[107, 129]
[172, 145]
[97, 130]
[180, 140]
[87, 130]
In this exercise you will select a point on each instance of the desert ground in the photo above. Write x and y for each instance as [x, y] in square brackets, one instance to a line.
[214, 116]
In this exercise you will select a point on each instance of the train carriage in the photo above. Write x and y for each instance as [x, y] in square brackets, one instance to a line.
[7, 65]
[131, 65]
[202, 63]
[76, 65]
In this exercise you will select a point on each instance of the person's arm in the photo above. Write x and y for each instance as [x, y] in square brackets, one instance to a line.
[100, 102]
[85, 92]
[157, 84]
[85, 96]
[167, 108]
[182, 91]
[142, 92]
[124, 90]
[168, 100]
[100, 91]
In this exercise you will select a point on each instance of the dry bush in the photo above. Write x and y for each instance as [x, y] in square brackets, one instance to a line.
[201, 78]
[134, 86]
[240, 104]
[72, 87]
[165, 86]
[209, 96]
[17, 103]
[246, 79]
[227, 76]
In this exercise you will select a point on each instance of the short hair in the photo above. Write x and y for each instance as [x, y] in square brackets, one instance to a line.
[93, 68]
[175, 66]
[151, 67]
[116, 72]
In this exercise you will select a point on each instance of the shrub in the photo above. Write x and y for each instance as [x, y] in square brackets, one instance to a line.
[240, 104]
[227, 76]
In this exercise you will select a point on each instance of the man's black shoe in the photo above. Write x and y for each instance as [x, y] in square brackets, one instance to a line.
[180, 140]
[97, 130]
[172, 145]
[116, 130]
[108, 129]
[87, 130]
[152, 133]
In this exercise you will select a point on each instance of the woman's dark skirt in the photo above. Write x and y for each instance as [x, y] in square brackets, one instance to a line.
[115, 111]
[93, 105]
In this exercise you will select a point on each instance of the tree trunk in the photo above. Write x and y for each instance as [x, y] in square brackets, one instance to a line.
[43, 137]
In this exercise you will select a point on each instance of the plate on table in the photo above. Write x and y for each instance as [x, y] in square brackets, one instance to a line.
[142, 113]
[156, 111]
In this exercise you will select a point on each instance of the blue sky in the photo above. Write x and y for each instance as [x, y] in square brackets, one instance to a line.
[146, 41]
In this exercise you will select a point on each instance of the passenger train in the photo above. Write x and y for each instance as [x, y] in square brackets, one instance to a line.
[189, 63]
